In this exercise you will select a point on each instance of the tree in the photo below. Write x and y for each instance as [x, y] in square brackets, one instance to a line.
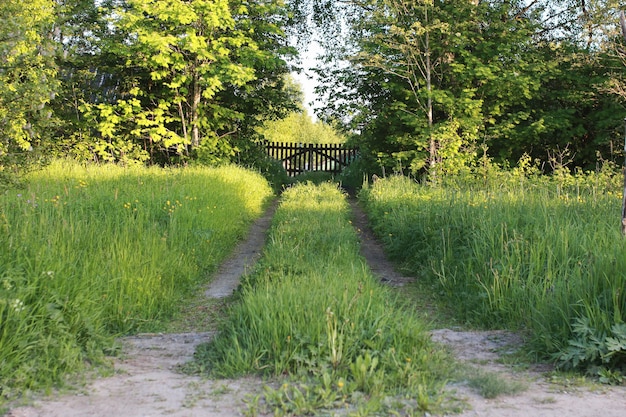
[27, 82]
[86, 73]
[273, 94]
[428, 80]
[298, 127]
[179, 64]
[617, 83]
[403, 45]
[402, 48]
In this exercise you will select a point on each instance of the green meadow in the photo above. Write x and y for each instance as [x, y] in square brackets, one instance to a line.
[90, 252]
[543, 255]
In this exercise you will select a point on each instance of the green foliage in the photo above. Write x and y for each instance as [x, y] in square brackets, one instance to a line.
[27, 83]
[312, 310]
[84, 76]
[592, 347]
[253, 156]
[169, 81]
[429, 79]
[300, 128]
[188, 64]
[90, 252]
[516, 250]
[314, 177]
[190, 79]
[428, 82]
[491, 385]
[568, 107]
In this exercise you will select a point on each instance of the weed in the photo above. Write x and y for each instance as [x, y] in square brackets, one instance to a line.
[220, 390]
[611, 377]
[592, 347]
[492, 385]
[364, 374]
[253, 405]
[567, 380]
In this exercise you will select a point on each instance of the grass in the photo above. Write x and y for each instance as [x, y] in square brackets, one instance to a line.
[491, 385]
[538, 254]
[90, 252]
[312, 316]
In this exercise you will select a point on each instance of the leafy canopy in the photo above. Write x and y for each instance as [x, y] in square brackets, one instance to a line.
[181, 64]
[27, 81]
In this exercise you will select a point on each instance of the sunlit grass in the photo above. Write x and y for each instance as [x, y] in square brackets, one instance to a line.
[313, 311]
[88, 252]
[532, 254]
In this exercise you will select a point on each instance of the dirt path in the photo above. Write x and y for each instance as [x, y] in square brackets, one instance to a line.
[244, 256]
[147, 383]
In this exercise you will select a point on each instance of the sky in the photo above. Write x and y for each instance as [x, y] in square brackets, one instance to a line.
[308, 84]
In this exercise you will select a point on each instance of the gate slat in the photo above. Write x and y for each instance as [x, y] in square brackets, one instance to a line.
[298, 158]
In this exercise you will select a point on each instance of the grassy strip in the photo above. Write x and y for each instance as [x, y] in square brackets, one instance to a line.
[312, 310]
[87, 252]
[544, 254]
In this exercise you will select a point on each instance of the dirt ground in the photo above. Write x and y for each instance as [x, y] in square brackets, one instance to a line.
[147, 383]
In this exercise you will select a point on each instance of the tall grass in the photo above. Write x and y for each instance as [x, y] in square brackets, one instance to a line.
[88, 252]
[313, 309]
[521, 252]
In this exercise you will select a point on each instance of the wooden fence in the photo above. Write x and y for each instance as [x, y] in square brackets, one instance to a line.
[309, 157]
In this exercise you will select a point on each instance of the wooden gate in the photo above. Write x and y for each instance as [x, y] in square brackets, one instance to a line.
[309, 157]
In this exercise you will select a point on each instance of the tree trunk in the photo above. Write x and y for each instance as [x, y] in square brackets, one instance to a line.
[624, 190]
[588, 24]
[432, 146]
[195, 104]
[183, 121]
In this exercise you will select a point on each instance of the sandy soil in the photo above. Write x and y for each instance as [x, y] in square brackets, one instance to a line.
[147, 381]
[541, 398]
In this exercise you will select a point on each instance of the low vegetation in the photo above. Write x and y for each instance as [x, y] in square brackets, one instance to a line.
[517, 250]
[313, 313]
[90, 252]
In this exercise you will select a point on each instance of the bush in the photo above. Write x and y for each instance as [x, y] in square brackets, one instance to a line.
[253, 156]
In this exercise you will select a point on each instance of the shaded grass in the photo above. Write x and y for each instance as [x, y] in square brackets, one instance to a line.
[89, 252]
[526, 254]
[312, 311]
